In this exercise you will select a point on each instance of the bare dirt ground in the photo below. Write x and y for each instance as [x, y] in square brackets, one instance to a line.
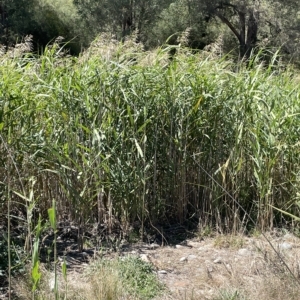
[226, 267]
[222, 267]
[229, 267]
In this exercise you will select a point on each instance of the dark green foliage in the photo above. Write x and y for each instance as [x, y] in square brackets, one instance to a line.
[182, 22]
[243, 26]
[16, 20]
[42, 20]
[255, 24]
[50, 25]
[120, 18]
[17, 256]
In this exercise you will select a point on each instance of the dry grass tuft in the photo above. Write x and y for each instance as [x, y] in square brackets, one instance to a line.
[229, 241]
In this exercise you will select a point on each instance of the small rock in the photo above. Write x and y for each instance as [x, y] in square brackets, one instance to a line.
[209, 268]
[183, 259]
[193, 244]
[154, 246]
[285, 246]
[191, 257]
[244, 252]
[62, 262]
[163, 272]
[179, 247]
[203, 249]
[145, 258]
[52, 282]
[218, 260]
[288, 236]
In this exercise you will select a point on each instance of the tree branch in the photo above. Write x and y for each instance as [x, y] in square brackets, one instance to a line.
[227, 22]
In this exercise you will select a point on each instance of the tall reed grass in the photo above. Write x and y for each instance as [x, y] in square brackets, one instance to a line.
[132, 135]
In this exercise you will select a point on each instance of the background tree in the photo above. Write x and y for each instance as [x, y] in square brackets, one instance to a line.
[119, 17]
[247, 24]
[182, 16]
[251, 21]
[16, 20]
[242, 18]
[43, 19]
[282, 28]
[53, 20]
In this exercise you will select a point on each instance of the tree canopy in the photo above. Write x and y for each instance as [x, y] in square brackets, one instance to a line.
[243, 24]
[252, 22]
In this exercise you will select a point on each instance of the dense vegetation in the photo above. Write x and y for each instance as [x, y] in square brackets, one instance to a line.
[130, 134]
[156, 118]
[134, 136]
[239, 26]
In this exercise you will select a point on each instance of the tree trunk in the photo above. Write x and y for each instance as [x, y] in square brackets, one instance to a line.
[248, 41]
[251, 33]
[247, 38]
